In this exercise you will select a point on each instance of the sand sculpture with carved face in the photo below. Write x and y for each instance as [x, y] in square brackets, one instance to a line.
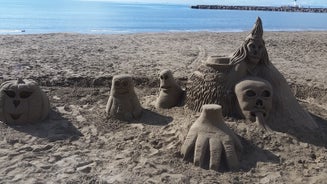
[247, 59]
[216, 84]
[171, 93]
[254, 97]
[253, 86]
[123, 103]
[210, 133]
[22, 101]
[251, 59]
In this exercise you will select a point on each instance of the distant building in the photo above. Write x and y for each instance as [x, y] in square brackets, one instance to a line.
[295, 4]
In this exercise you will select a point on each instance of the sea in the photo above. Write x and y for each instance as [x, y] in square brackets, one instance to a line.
[103, 17]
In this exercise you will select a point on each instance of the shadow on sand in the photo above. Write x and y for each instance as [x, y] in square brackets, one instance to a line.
[317, 137]
[54, 128]
[152, 118]
[252, 154]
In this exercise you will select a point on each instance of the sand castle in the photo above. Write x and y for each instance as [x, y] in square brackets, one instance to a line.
[171, 93]
[123, 103]
[22, 101]
[209, 132]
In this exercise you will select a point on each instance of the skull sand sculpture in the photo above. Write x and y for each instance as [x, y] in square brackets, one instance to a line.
[22, 101]
[254, 97]
[171, 93]
[208, 85]
[210, 133]
[123, 103]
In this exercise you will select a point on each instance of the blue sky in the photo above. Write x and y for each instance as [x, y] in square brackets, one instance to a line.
[229, 2]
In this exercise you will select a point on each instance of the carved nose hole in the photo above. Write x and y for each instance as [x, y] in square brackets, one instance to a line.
[16, 103]
[259, 103]
[255, 52]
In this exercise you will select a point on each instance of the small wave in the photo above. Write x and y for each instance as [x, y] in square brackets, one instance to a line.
[3, 31]
[109, 31]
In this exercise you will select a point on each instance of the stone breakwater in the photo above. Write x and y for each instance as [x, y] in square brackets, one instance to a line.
[262, 8]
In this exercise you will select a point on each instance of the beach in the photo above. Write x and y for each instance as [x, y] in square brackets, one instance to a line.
[78, 144]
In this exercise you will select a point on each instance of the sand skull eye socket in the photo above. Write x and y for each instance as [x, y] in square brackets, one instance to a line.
[266, 93]
[25, 94]
[117, 83]
[11, 94]
[250, 93]
[163, 77]
[124, 83]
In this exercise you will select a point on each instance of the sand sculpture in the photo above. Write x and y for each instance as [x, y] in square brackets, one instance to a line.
[215, 83]
[22, 101]
[254, 97]
[171, 93]
[210, 133]
[251, 59]
[123, 103]
[208, 85]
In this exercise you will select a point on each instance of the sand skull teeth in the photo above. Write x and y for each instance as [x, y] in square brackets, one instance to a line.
[254, 97]
[123, 103]
[171, 93]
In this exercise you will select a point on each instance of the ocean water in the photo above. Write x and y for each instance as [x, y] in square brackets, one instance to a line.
[101, 17]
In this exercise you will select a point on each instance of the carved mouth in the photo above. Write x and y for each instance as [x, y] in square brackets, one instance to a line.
[121, 91]
[252, 113]
[165, 88]
[15, 116]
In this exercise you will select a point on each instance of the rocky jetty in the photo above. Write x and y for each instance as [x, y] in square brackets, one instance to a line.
[262, 8]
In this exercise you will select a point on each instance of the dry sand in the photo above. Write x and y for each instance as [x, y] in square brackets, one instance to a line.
[77, 144]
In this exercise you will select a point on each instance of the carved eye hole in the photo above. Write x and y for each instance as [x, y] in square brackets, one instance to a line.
[25, 94]
[266, 93]
[11, 94]
[164, 77]
[117, 84]
[124, 83]
[252, 46]
[250, 93]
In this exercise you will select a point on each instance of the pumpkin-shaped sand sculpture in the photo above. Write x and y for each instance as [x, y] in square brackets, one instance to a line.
[22, 101]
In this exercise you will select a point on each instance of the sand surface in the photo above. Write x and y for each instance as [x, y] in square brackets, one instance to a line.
[77, 144]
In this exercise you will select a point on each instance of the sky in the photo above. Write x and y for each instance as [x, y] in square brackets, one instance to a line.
[306, 3]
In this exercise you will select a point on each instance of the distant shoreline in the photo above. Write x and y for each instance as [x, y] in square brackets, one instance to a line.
[262, 8]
